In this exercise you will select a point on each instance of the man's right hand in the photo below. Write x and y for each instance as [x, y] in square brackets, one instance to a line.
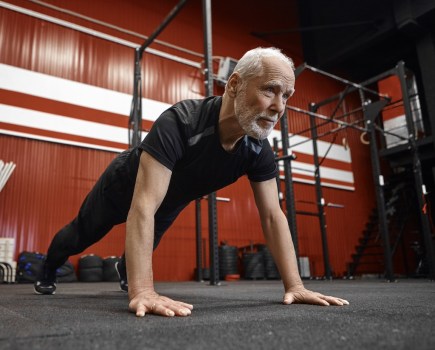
[149, 302]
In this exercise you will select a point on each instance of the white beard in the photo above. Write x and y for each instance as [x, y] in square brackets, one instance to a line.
[248, 118]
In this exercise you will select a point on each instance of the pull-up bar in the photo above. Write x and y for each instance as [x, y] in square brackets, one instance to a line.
[135, 120]
[304, 66]
[341, 116]
[321, 116]
[162, 26]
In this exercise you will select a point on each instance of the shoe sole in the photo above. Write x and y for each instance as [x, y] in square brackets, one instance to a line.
[41, 293]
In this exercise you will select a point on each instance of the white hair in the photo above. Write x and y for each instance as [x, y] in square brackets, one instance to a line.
[251, 64]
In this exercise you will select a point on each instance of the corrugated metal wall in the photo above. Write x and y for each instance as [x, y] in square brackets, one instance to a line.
[51, 180]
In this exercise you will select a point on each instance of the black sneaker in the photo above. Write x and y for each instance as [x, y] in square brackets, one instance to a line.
[122, 273]
[46, 282]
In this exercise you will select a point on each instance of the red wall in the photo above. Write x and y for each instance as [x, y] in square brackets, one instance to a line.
[50, 180]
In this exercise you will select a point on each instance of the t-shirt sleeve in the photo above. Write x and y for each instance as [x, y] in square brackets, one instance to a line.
[166, 140]
[265, 167]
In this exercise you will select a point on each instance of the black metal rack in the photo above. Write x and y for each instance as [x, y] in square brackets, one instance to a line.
[371, 111]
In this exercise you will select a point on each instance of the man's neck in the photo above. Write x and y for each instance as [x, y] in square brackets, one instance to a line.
[230, 131]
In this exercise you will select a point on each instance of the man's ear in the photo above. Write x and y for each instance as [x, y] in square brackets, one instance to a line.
[232, 84]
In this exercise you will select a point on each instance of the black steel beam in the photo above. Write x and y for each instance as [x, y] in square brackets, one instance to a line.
[308, 213]
[339, 117]
[355, 88]
[278, 179]
[213, 240]
[319, 195]
[418, 176]
[349, 84]
[289, 189]
[198, 226]
[371, 112]
[425, 48]
[135, 120]
[212, 207]
[324, 117]
[162, 26]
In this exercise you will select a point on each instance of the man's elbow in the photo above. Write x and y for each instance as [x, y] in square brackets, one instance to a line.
[273, 220]
[273, 217]
[137, 215]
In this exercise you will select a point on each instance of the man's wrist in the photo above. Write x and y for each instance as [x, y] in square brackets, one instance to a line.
[293, 286]
[135, 290]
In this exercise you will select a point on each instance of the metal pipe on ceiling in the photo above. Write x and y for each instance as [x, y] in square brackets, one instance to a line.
[97, 34]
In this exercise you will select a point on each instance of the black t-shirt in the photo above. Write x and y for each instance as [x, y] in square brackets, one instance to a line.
[185, 139]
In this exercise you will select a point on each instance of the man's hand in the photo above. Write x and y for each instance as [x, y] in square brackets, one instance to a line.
[153, 303]
[305, 296]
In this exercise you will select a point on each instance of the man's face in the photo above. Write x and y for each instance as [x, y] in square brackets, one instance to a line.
[260, 101]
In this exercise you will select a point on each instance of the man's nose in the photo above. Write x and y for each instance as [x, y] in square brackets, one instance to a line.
[278, 105]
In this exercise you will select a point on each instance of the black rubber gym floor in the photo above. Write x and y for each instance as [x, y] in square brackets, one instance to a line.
[236, 315]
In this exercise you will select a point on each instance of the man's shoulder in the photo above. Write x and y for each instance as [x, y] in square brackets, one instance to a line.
[194, 107]
[198, 114]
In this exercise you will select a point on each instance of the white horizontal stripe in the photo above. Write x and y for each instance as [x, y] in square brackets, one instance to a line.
[323, 183]
[395, 122]
[62, 141]
[336, 174]
[325, 172]
[51, 122]
[302, 168]
[67, 91]
[337, 152]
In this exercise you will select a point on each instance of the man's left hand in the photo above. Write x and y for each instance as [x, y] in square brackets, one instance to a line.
[305, 296]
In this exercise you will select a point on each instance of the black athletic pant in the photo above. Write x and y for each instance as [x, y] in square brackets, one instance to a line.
[106, 205]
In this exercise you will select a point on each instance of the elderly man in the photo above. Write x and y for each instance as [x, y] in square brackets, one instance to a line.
[194, 148]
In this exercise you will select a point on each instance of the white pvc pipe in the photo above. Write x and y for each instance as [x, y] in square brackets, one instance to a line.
[6, 173]
[3, 173]
[2, 170]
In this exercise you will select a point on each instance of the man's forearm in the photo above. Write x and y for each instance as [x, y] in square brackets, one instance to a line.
[280, 243]
[138, 251]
